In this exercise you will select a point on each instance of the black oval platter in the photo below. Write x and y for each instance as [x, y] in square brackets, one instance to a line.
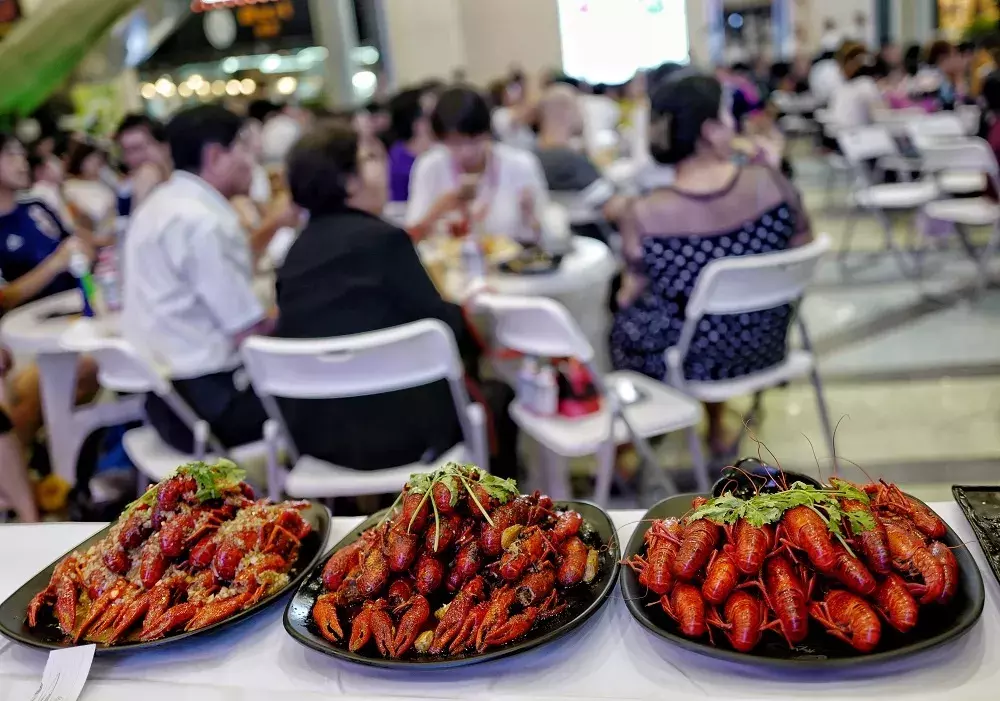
[598, 531]
[47, 635]
[936, 625]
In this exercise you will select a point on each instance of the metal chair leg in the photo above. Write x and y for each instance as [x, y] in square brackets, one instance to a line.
[605, 471]
[817, 383]
[275, 477]
[702, 478]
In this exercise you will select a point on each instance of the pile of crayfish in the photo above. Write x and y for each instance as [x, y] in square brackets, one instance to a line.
[194, 550]
[464, 564]
[744, 579]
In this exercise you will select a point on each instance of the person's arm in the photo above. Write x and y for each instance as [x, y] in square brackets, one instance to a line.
[225, 288]
[803, 225]
[430, 199]
[284, 213]
[632, 282]
[29, 285]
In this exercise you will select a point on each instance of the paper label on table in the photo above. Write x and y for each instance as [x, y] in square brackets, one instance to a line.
[65, 674]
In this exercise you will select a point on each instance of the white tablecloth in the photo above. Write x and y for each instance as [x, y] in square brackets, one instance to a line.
[610, 657]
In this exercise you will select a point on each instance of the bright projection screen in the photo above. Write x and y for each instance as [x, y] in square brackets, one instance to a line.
[606, 41]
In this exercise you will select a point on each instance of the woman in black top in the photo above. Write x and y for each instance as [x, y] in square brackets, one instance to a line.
[352, 272]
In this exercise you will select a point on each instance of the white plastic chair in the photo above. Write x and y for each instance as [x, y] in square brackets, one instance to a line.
[123, 369]
[968, 156]
[939, 129]
[352, 366]
[740, 285]
[543, 328]
[870, 143]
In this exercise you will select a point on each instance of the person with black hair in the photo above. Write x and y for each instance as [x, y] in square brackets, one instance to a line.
[350, 272]
[942, 81]
[35, 251]
[35, 243]
[496, 187]
[188, 293]
[411, 136]
[142, 142]
[714, 208]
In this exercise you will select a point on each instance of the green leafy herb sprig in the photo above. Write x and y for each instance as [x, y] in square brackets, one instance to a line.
[763, 509]
[455, 477]
[213, 482]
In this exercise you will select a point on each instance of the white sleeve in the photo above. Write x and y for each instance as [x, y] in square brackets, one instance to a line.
[424, 188]
[223, 282]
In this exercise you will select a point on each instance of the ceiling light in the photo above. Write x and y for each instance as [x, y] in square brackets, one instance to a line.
[185, 90]
[286, 85]
[248, 86]
[148, 91]
[219, 88]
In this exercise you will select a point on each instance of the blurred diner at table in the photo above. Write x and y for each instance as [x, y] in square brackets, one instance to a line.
[496, 188]
[352, 272]
[714, 208]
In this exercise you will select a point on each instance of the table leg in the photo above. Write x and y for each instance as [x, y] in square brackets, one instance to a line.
[67, 426]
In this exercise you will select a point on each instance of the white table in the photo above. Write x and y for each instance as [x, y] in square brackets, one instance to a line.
[32, 333]
[610, 657]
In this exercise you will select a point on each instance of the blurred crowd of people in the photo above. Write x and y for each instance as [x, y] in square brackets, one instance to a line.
[192, 208]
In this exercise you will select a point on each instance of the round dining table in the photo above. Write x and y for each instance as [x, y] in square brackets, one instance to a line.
[609, 657]
[581, 282]
[33, 332]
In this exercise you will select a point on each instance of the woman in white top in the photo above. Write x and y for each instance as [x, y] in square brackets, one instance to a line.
[497, 188]
[854, 103]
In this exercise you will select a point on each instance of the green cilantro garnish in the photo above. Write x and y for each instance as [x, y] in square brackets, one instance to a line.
[455, 477]
[213, 482]
[768, 508]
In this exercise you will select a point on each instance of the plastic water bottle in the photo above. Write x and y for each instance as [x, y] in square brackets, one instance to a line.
[473, 263]
[527, 378]
[79, 267]
[107, 279]
[546, 392]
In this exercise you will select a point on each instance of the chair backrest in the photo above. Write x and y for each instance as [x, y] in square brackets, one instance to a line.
[866, 143]
[926, 130]
[121, 368]
[741, 284]
[536, 326]
[747, 284]
[358, 365]
[352, 366]
[970, 154]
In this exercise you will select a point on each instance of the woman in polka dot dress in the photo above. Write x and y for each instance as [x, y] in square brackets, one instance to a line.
[715, 208]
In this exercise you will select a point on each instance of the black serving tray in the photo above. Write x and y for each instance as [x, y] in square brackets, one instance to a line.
[47, 635]
[981, 506]
[598, 532]
[936, 626]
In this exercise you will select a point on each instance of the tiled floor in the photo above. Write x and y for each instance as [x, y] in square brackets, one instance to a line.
[911, 371]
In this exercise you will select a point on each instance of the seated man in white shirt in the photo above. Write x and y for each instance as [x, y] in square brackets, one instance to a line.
[188, 297]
